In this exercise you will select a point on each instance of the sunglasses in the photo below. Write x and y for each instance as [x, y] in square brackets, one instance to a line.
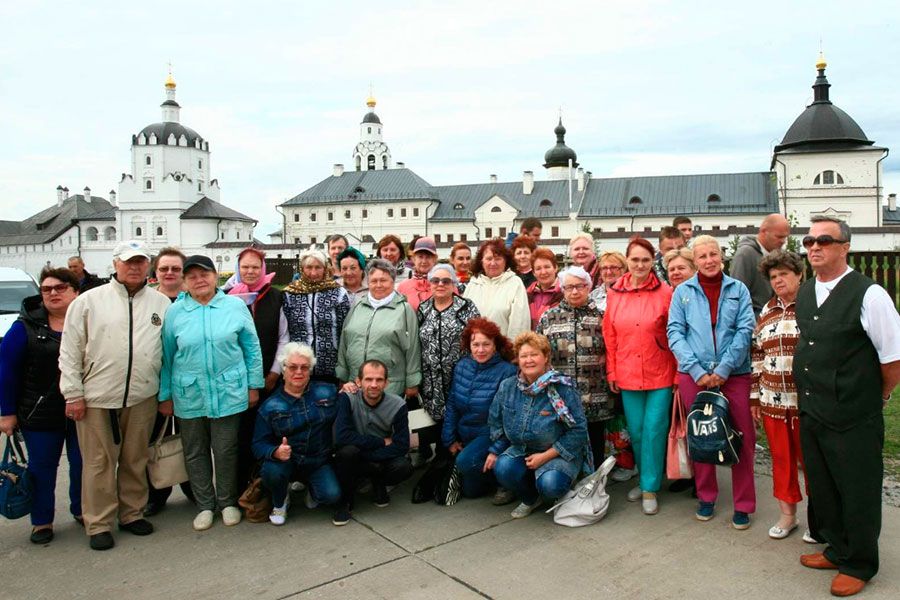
[441, 280]
[169, 269]
[823, 241]
[59, 288]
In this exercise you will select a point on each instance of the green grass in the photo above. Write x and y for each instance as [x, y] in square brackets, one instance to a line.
[892, 436]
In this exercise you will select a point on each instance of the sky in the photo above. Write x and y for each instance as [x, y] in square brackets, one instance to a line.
[464, 89]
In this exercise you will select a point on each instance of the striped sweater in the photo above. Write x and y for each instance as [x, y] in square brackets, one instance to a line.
[772, 356]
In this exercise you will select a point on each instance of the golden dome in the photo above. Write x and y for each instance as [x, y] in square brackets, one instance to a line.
[370, 101]
[170, 81]
[821, 64]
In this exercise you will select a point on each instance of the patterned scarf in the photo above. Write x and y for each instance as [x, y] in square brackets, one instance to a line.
[304, 286]
[545, 382]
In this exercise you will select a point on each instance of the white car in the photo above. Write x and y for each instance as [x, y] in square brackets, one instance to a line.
[15, 285]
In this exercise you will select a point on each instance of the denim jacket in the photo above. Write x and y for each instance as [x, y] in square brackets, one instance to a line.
[307, 423]
[690, 329]
[523, 425]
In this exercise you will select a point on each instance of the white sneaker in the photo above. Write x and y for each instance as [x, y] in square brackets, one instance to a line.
[808, 538]
[203, 520]
[310, 502]
[278, 515]
[297, 486]
[523, 510]
[649, 504]
[620, 474]
[231, 515]
[634, 494]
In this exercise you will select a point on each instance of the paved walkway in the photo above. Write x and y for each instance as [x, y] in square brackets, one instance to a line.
[469, 550]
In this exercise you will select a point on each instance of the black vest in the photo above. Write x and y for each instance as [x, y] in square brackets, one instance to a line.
[40, 404]
[836, 367]
[266, 313]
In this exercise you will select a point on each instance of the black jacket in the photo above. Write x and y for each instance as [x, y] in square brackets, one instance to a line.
[40, 404]
[91, 281]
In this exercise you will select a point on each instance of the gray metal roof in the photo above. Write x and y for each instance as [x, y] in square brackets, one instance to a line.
[554, 195]
[366, 186]
[205, 208]
[50, 223]
[163, 130]
[890, 217]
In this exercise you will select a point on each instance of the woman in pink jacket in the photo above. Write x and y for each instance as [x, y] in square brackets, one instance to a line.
[639, 363]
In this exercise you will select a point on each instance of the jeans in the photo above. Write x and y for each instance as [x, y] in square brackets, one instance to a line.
[277, 475]
[470, 462]
[513, 475]
[44, 449]
[351, 465]
[647, 414]
[200, 436]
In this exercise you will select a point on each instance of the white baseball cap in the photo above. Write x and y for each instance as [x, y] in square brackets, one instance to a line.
[129, 249]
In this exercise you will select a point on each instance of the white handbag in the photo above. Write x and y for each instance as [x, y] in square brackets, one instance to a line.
[587, 502]
[165, 464]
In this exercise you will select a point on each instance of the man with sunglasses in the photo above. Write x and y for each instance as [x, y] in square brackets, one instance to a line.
[846, 365]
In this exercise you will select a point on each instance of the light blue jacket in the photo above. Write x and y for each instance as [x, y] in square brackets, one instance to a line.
[211, 357]
[690, 329]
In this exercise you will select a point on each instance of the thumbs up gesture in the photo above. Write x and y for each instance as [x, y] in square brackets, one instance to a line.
[283, 451]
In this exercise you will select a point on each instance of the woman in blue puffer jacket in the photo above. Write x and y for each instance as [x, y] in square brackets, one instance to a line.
[476, 378]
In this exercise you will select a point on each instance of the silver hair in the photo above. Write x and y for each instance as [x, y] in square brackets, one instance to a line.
[314, 254]
[444, 267]
[297, 349]
[575, 271]
[845, 229]
[381, 265]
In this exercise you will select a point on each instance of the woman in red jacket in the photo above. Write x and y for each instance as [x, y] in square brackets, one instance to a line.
[639, 363]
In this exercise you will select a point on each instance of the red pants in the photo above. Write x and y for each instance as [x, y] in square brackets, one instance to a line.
[743, 487]
[784, 445]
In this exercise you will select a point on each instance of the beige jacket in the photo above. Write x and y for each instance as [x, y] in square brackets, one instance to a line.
[111, 349]
[502, 300]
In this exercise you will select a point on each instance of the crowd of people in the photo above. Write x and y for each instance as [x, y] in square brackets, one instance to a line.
[528, 376]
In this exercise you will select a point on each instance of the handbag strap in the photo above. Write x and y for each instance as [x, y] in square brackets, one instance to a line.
[14, 449]
[678, 415]
[163, 431]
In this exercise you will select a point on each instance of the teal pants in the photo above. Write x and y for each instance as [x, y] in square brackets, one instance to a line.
[647, 414]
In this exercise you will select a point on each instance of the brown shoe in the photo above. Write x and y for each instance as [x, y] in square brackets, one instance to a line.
[816, 561]
[845, 585]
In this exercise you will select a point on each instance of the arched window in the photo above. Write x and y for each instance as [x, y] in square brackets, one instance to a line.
[109, 234]
[384, 161]
[148, 184]
[358, 163]
[369, 129]
[458, 206]
[138, 232]
[148, 161]
[371, 162]
[635, 200]
[828, 178]
[496, 209]
[91, 234]
[713, 198]
[545, 203]
[159, 231]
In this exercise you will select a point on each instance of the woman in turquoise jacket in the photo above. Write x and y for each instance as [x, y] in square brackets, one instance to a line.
[212, 371]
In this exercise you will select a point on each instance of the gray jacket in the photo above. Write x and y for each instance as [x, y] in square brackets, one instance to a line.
[745, 268]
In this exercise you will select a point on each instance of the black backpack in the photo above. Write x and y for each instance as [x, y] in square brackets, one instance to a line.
[710, 437]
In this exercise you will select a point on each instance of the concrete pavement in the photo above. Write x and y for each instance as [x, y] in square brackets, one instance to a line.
[470, 550]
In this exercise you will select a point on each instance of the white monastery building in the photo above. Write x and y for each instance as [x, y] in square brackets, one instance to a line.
[168, 199]
[825, 164]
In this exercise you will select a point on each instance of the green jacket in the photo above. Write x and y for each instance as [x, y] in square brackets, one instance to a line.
[389, 334]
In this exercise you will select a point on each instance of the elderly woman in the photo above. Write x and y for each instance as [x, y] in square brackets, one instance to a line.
[679, 264]
[773, 396]
[710, 325]
[315, 307]
[30, 398]
[538, 430]
[212, 370]
[575, 332]
[544, 293]
[382, 326]
[497, 291]
[582, 254]
[254, 286]
[353, 274]
[475, 381]
[294, 435]
[612, 265]
[640, 365]
[461, 259]
[522, 248]
[391, 249]
[417, 288]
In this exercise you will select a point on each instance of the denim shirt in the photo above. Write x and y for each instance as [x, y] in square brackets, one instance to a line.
[307, 423]
[523, 425]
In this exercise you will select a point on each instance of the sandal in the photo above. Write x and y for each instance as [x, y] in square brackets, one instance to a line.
[776, 532]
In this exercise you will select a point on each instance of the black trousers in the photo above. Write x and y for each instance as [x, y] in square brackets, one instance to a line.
[351, 465]
[845, 470]
[246, 460]
[161, 496]
[597, 436]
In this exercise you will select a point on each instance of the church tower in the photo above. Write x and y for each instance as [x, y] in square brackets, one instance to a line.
[556, 159]
[371, 153]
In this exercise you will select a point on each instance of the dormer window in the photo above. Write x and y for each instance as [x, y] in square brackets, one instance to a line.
[635, 200]
[828, 178]
[545, 203]
[458, 206]
[496, 209]
[359, 190]
[714, 198]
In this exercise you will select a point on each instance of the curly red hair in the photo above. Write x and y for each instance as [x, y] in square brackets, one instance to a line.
[488, 329]
[497, 246]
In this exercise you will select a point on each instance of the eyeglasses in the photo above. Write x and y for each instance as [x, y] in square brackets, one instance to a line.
[59, 288]
[611, 268]
[441, 280]
[169, 269]
[575, 287]
[294, 368]
[823, 241]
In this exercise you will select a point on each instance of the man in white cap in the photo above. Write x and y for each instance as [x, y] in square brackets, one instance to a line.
[417, 289]
[110, 357]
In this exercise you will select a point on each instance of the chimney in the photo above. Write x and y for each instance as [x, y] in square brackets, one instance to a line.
[892, 202]
[338, 169]
[580, 177]
[87, 194]
[493, 178]
[527, 182]
[66, 191]
[401, 165]
[112, 198]
[60, 195]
